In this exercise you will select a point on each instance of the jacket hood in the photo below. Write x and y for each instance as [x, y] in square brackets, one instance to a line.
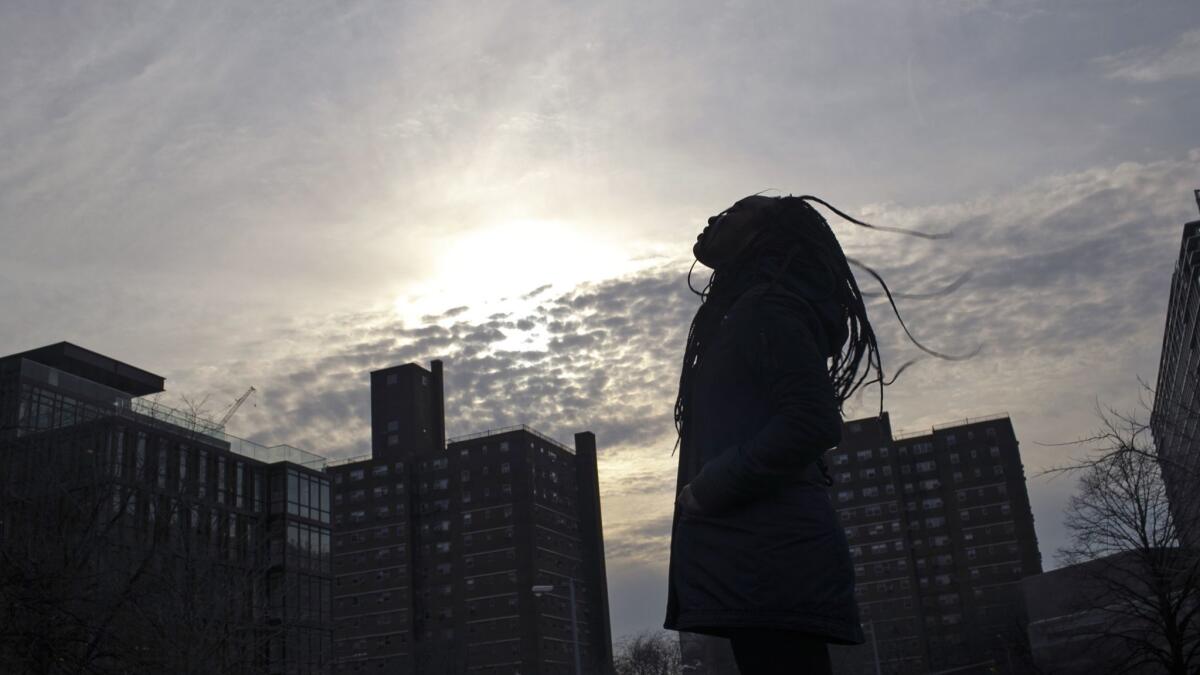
[814, 291]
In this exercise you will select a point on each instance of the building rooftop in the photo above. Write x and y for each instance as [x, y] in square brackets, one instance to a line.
[89, 365]
[505, 430]
[123, 385]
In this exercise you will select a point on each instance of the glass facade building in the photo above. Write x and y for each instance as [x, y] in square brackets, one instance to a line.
[239, 547]
[1175, 420]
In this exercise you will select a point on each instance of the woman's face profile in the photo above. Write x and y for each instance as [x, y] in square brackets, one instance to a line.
[730, 231]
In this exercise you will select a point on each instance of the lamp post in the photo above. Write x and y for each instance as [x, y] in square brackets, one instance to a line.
[874, 646]
[546, 588]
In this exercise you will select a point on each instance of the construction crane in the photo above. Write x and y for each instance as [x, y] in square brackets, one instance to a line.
[236, 404]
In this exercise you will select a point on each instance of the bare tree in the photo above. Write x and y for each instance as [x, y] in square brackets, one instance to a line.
[1139, 589]
[62, 582]
[648, 653]
[101, 575]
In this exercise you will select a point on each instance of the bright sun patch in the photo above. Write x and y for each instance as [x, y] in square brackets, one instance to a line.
[488, 269]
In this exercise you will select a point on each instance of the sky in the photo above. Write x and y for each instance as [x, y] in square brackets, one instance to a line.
[288, 195]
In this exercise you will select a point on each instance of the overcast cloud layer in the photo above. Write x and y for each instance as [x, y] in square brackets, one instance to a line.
[289, 195]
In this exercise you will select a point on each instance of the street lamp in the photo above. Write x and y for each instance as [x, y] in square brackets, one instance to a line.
[874, 645]
[546, 588]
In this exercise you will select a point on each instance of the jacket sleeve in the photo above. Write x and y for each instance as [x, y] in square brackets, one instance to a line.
[784, 357]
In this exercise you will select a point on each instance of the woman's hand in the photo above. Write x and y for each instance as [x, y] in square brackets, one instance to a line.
[688, 503]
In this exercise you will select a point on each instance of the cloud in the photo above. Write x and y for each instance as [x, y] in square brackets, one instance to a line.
[1180, 59]
[234, 195]
[1068, 294]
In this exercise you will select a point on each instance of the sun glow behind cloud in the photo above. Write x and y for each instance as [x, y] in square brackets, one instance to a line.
[491, 268]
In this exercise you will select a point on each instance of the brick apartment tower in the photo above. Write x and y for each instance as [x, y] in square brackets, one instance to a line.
[437, 548]
[1176, 407]
[940, 532]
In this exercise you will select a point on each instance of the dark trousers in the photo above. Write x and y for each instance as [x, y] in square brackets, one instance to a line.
[779, 652]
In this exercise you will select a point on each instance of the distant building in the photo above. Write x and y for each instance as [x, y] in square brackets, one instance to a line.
[438, 548]
[941, 533]
[1173, 421]
[184, 545]
[1068, 617]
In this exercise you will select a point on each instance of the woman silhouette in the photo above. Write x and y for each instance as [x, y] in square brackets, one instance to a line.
[757, 555]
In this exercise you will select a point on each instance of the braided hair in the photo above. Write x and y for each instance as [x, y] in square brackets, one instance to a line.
[788, 230]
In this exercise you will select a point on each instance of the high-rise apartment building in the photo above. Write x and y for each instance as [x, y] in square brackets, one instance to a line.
[149, 540]
[484, 556]
[940, 532]
[1175, 420]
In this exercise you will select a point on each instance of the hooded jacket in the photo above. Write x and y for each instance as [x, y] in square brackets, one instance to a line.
[767, 551]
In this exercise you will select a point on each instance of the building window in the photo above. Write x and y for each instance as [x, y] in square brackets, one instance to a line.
[356, 474]
[183, 466]
[239, 471]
